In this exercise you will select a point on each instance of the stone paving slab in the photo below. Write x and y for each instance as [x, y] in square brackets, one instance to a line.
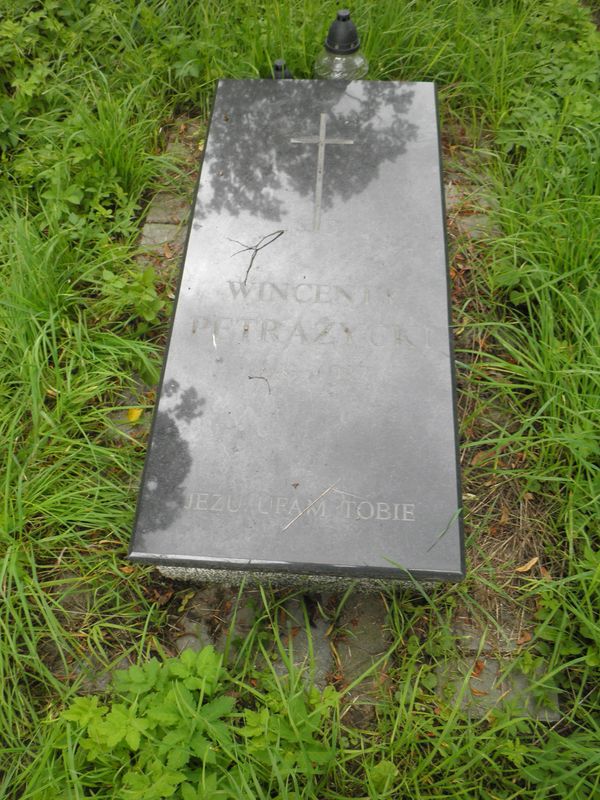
[167, 208]
[195, 625]
[485, 684]
[163, 236]
[215, 616]
[477, 226]
[353, 648]
[183, 141]
[483, 676]
[359, 633]
[363, 643]
[473, 637]
[468, 208]
[161, 247]
[238, 616]
[155, 234]
[307, 643]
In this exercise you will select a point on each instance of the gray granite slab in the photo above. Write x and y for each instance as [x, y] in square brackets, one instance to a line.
[305, 422]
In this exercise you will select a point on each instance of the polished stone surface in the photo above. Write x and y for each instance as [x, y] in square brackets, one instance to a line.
[305, 421]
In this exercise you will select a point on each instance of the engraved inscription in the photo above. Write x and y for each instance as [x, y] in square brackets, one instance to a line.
[308, 293]
[325, 331]
[322, 332]
[338, 504]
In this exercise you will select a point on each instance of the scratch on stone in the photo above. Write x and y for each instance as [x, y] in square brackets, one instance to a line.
[260, 378]
[309, 506]
[453, 518]
[214, 338]
[356, 496]
[262, 242]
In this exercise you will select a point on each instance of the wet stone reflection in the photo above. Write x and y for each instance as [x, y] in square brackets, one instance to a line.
[363, 130]
[169, 460]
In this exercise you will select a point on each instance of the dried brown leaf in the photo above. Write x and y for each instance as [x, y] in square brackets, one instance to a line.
[478, 668]
[482, 456]
[524, 638]
[526, 567]
[164, 597]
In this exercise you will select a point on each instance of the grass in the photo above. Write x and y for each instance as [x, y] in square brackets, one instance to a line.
[87, 91]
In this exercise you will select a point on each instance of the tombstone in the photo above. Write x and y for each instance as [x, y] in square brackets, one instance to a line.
[306, 420]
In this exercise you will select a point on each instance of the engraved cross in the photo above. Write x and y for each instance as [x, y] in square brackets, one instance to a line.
[321, 140]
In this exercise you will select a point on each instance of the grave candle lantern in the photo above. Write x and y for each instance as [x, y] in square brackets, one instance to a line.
[280, 70]
[340, 57]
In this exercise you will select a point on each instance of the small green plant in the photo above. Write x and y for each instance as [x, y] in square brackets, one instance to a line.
[169, 734]
[290, 728]
[177, 728]
[135, 292]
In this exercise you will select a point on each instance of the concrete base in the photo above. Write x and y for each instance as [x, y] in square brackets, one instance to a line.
[281, 580]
